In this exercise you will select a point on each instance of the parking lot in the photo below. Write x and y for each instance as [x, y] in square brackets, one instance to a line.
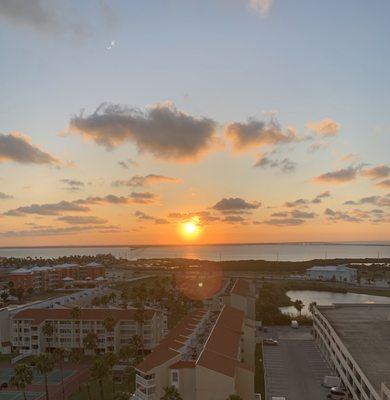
[294, 368]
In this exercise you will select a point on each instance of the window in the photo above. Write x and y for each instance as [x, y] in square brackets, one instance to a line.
[175, 377]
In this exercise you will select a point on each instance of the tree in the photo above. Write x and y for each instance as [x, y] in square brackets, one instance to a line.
[75, 356]
[48, 331]
[99, 371]
[234, 397]
[90, 340]
[298, 304]
[139, 317]
[122, 396]
[19, 294]
[23, 377]
[171, 393]
[4, 296]
[136, 345]
[75, 312]
[59, 355]
[44, 364]
[109, 324]
[312, 306]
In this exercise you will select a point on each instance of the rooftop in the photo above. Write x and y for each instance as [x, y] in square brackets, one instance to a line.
[331, 268]
[365, 331]
[39, 315]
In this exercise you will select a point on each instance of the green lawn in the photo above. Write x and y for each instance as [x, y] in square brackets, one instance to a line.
[94, 390]
[259, 371]
[6, 358]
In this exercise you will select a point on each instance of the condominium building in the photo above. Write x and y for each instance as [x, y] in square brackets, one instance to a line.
[337, 273]
[28, 334]
[48, 278]
[354, 339]
[208, 356]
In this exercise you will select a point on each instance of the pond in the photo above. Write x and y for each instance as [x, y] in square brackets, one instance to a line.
[328, 298]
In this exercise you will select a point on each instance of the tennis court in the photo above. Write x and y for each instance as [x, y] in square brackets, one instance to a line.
[19, 395]
[54, 378]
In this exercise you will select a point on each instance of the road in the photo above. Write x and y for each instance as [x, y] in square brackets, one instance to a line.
[295, 368]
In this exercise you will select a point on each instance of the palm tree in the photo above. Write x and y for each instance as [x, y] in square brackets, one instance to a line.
[59, 355]
[75, 356]
[109, 324]
[171, 393]
[44, 364]
[298, 304]
[136, 345]
[234, 397]
[4, 296]
[99, 371]
[312, 307]
[110, 359]
[23, 377]
[139, 317]
[126, 352]
[90, 340]
[75, 312]
[48, 330]
[122, 396]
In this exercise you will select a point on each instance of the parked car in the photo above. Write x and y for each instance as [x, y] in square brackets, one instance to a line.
[338, 393]
[270, 342]
[331, 381]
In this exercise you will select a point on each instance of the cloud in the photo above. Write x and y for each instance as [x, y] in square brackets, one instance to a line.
[204, 217]
[262, 6]
[291, 218]
[18, 148]
[285, 165]
[46, 17]
[380, 201]
[356, 215]
[233, 219]
[80, 205]
[317, 146]
[82, 220]
[73, 185]
[284, 221]
[59, 231]
[235, 205]
[318, 199]
[48, 209]
[325, 128]
[143, 197]
[339, 216]
[140, 181]
[162, 130]
[378, 172]
[340, 176]
[255, 133]
[141, 216]
[4, 196]
[302, 214]
[127, 163]
[384, 184]
[296, 203]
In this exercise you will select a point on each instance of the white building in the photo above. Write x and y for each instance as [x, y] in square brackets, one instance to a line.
[354, 339]
[339, 273]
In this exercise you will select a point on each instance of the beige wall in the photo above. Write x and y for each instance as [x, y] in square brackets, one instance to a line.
[5, 328]
[162, 377]
[211, 385]
[249, 344]
[245, 383]
[187, 383]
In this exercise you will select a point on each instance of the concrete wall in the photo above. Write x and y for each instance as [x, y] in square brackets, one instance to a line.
[245, 383]
[211, 385]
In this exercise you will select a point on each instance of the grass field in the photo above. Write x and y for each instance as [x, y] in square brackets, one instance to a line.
[259, 371]
[54, 378]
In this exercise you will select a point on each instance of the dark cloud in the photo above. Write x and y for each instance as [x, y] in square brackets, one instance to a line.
[143, 197]
[48, 209]
[340, 176]
[357, 215]
[73, 185]
[280, 214]
[140, 181]
[285, 165]
[5, 196]
[318, 199]
[255, 133]
[378, 172]
[233, 219]
[127, 163]
[284, 221]
[296, 203]
[18, 148]
[380, 201]
[80, 205]
[205, 217]
[317, 146]
[162, 130]
[82, 220]
[340, 216]
[49, 17]
[60, 231]
[235, 204]
[141, 216]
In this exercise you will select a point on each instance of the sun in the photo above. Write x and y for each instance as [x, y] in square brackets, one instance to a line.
[190, 229]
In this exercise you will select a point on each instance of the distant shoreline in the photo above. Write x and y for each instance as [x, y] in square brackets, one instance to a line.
[137, 246]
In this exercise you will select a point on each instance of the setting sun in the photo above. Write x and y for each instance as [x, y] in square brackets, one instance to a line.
[190, 229]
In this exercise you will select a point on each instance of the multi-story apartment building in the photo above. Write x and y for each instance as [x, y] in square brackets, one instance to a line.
[48, 278]
[208, 356]
[354, 339]
[27, 332]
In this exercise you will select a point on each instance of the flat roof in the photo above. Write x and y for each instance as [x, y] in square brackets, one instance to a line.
[364, 329]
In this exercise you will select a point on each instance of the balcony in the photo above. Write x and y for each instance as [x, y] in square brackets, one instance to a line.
[138, 395]
[145, 382]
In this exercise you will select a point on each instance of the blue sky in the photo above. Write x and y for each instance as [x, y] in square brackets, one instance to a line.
[300, 61]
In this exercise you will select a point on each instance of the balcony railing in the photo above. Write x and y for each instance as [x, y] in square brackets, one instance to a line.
[144, 382]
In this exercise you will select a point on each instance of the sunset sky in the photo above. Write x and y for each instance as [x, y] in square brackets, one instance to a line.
[254, 120]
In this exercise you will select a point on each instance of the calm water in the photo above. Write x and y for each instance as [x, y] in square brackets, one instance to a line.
[328, 298]
[271, 252]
